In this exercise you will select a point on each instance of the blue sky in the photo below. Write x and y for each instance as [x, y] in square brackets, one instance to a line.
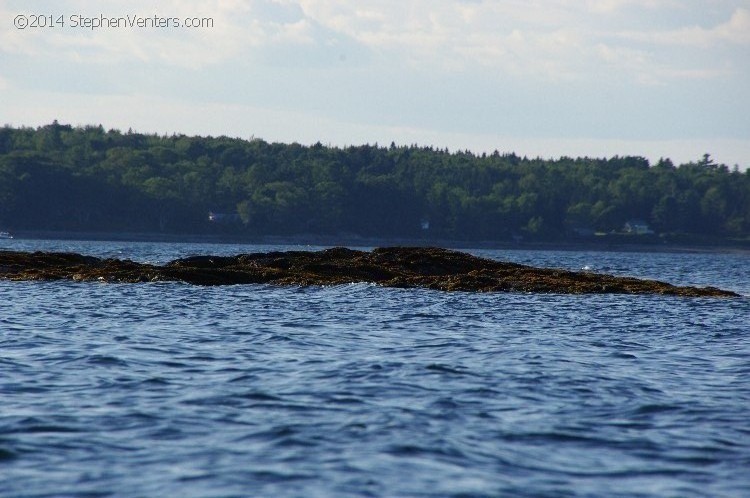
[658, 78]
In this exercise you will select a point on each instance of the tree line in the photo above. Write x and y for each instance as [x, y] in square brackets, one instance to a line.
[60, 177]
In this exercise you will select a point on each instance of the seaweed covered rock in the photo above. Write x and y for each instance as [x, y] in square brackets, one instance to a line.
[407, 267]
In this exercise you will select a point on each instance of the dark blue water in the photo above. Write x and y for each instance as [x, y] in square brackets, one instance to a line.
[166, 389]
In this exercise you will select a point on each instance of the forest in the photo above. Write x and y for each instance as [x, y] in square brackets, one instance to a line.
[85, 178]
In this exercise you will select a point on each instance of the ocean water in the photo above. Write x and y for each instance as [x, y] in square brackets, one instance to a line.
[167, 389]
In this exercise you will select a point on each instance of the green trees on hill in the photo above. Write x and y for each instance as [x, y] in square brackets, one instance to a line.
[60, 177]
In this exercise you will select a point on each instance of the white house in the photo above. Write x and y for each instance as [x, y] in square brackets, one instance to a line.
[637, 227]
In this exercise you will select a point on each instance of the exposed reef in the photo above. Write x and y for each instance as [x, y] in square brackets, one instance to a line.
[406, 267]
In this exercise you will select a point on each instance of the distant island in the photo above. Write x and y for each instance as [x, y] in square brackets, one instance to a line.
[403, 267]
[88, 179]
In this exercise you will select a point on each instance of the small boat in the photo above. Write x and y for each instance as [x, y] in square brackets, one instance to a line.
[5, 235]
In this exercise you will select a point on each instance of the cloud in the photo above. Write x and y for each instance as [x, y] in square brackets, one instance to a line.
[236, 27]
[514, 37]
[555, 40]
[735, 31]
[613, 6]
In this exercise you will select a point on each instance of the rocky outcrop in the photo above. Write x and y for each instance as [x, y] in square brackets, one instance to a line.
[430, 268]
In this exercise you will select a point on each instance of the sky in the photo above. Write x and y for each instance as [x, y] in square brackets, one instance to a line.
[541, 78]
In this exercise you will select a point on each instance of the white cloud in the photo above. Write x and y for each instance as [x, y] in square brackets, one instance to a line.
[736, 30]
[237, 27]
[633, 61]
[612, 6]
[551, 39]
[514, 37]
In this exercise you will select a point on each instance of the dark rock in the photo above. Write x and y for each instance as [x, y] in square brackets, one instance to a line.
[431, 268]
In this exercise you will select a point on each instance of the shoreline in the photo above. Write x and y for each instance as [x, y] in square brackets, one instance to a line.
[350, 240]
